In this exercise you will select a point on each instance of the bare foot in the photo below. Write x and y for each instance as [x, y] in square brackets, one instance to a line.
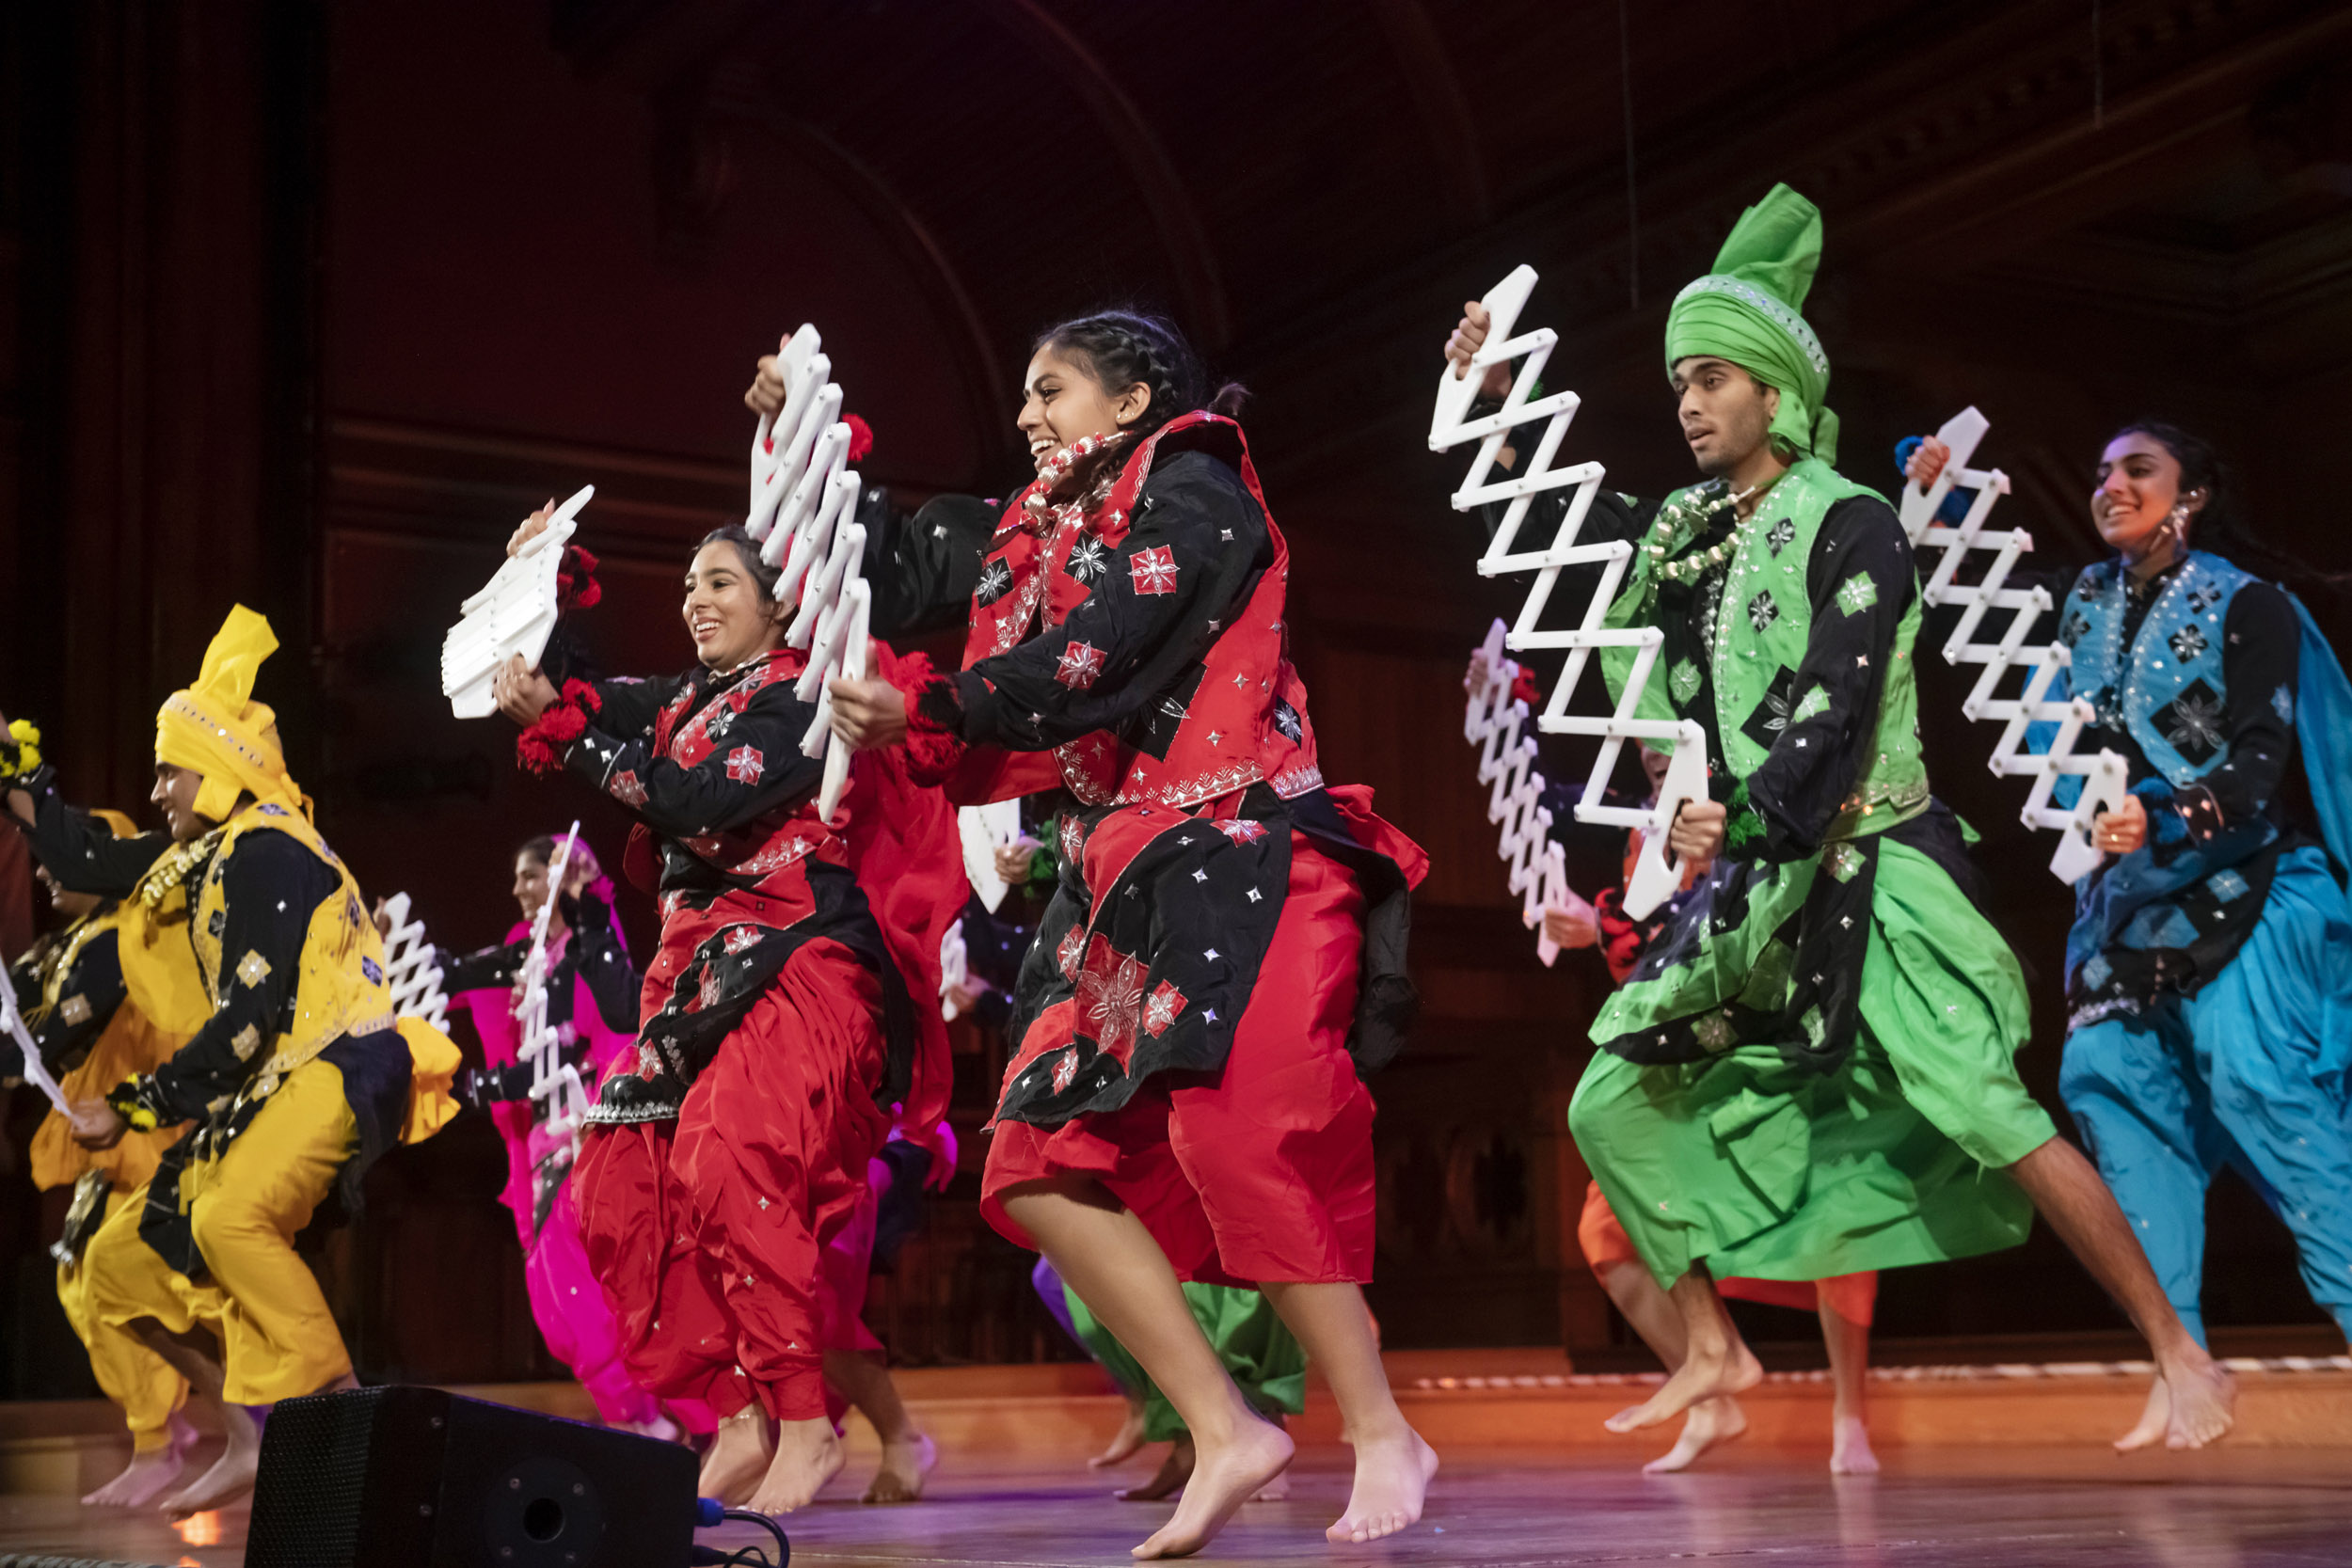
[1274, 1490]
[907, 1463]
[1701, 1377]
[2204, 1397]
[1711, 1424]
[148, 1473]
[2153, 1420]
[738, 1456]
[807, 1456]
[1223, 1475]
[1168, 1479]
[1127, 1442]
[1849, 1447]
[1392, 1477]
[232, 1475]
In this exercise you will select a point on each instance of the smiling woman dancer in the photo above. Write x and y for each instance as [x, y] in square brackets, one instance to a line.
[777, 1031]
[2209, 973]
[1166, 1117]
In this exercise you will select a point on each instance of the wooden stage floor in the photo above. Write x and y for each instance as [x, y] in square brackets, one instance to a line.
[2008, 1507]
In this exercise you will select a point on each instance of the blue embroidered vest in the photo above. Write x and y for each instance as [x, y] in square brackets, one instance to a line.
[2174, 699]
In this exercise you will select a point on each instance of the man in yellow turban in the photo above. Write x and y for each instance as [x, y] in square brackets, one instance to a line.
[1809, 1071]
[295, 1078]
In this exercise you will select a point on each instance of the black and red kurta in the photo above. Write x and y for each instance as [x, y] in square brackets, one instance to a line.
[778, 1033]
[1129, 647]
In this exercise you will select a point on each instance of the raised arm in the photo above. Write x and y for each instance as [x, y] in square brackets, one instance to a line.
[76, 848]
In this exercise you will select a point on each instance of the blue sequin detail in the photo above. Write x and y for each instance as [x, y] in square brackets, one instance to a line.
[2097, 972]
[374, 971]
[2225, 885]
[2283, 703]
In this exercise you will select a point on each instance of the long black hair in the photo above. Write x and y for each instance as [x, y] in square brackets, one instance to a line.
[1125, 347]
[2220, 525]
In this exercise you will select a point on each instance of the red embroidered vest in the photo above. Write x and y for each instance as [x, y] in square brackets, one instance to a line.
[1245, 723]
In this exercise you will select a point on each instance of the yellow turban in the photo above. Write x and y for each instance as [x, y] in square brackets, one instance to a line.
[217, 729]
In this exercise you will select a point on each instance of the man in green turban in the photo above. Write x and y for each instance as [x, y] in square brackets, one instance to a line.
[1809, 1073]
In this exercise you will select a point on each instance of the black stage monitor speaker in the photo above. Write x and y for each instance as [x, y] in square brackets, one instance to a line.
[417, 1478]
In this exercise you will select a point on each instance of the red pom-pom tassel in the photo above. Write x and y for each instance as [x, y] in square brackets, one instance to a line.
[576, 585]
[860, 436]
[540, 749]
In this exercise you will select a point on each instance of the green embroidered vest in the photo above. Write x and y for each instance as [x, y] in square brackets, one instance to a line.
[1761, 629]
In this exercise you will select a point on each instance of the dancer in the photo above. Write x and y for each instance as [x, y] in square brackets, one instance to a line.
[293, 1094]
[2209, 971]
[592, 1005]
[1165, 1116]
[1844, 1304]
[1811, 1074]
[91, 1032]
[778, 1031]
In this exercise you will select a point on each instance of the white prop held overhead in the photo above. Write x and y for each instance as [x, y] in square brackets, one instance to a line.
[515, 613]
[2105, 776]
[1655, 877]
[803, 513]
[410, 971]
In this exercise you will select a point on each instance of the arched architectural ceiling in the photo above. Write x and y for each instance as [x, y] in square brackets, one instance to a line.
[1300, 183]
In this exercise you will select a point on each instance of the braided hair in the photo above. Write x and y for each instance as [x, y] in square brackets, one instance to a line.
[2220, 525]
[1123, 348]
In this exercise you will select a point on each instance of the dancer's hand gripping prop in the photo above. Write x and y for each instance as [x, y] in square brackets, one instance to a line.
[2105, 776]
[515, 613]
[557, 1094]
[984, 831]
[804, 512]
[1657, 874]
[409, 968]
[35, 1070]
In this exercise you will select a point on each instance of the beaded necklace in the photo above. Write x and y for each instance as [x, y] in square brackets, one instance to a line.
[1695, 509]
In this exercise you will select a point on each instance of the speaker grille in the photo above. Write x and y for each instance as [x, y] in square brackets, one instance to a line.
[308, 1505]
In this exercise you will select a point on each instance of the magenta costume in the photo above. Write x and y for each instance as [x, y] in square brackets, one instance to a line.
[591, 985]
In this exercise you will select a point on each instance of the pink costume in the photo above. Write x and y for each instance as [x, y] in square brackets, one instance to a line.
[565, 1299]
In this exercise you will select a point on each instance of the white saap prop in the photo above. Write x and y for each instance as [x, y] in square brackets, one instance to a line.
[2103, 776]
[1655, 875]
[410, 971]
[35, 1070]
[986, 829]
[804, 512]
[1496, 724]
[515, 613]
[561, 1097]
[954, 969]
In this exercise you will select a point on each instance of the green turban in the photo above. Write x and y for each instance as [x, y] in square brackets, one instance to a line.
[1746, 310]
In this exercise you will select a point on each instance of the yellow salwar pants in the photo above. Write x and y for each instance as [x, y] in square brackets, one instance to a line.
[245, 1206]
[142, 1383]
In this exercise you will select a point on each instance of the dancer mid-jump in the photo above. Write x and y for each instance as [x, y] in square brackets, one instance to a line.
[1223, 957]
[1811, 1073]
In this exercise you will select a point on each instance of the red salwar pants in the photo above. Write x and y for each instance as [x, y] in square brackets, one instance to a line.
[710, 1232]
[1262, 1171]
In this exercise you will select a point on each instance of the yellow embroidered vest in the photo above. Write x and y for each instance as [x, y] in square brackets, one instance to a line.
[340, 990]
